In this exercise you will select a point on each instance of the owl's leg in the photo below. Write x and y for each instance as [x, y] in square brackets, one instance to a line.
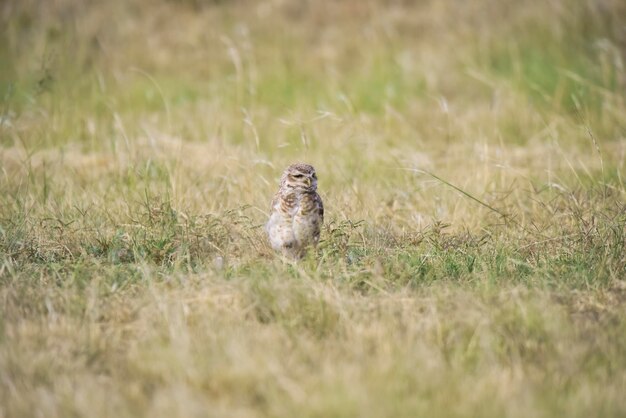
[290, 250]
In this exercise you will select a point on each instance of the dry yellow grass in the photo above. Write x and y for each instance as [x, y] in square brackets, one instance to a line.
[471, 158]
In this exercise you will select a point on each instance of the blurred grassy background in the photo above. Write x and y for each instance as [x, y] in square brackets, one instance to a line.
[471, 158]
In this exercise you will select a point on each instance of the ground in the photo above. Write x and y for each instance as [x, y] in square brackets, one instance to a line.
[471, 158]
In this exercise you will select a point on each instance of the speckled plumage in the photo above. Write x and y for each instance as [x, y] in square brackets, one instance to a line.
[297, 212]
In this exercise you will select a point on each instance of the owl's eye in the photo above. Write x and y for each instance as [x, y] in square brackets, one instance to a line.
[298, 176]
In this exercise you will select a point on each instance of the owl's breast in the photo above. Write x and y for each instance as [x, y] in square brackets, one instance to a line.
[308, 204]
[289, 204]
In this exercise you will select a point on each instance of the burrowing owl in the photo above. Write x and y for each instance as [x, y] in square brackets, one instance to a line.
[297, 212]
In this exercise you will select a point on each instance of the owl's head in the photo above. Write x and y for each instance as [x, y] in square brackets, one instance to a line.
[299, 177]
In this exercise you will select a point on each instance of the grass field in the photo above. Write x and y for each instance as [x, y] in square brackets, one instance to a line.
[472, 161]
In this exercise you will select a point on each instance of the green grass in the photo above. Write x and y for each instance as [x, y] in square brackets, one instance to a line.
[471, 159]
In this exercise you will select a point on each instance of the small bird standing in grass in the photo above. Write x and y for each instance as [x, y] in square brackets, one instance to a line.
[297, 212]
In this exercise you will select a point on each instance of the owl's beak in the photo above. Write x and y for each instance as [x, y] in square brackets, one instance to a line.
[308, 182]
